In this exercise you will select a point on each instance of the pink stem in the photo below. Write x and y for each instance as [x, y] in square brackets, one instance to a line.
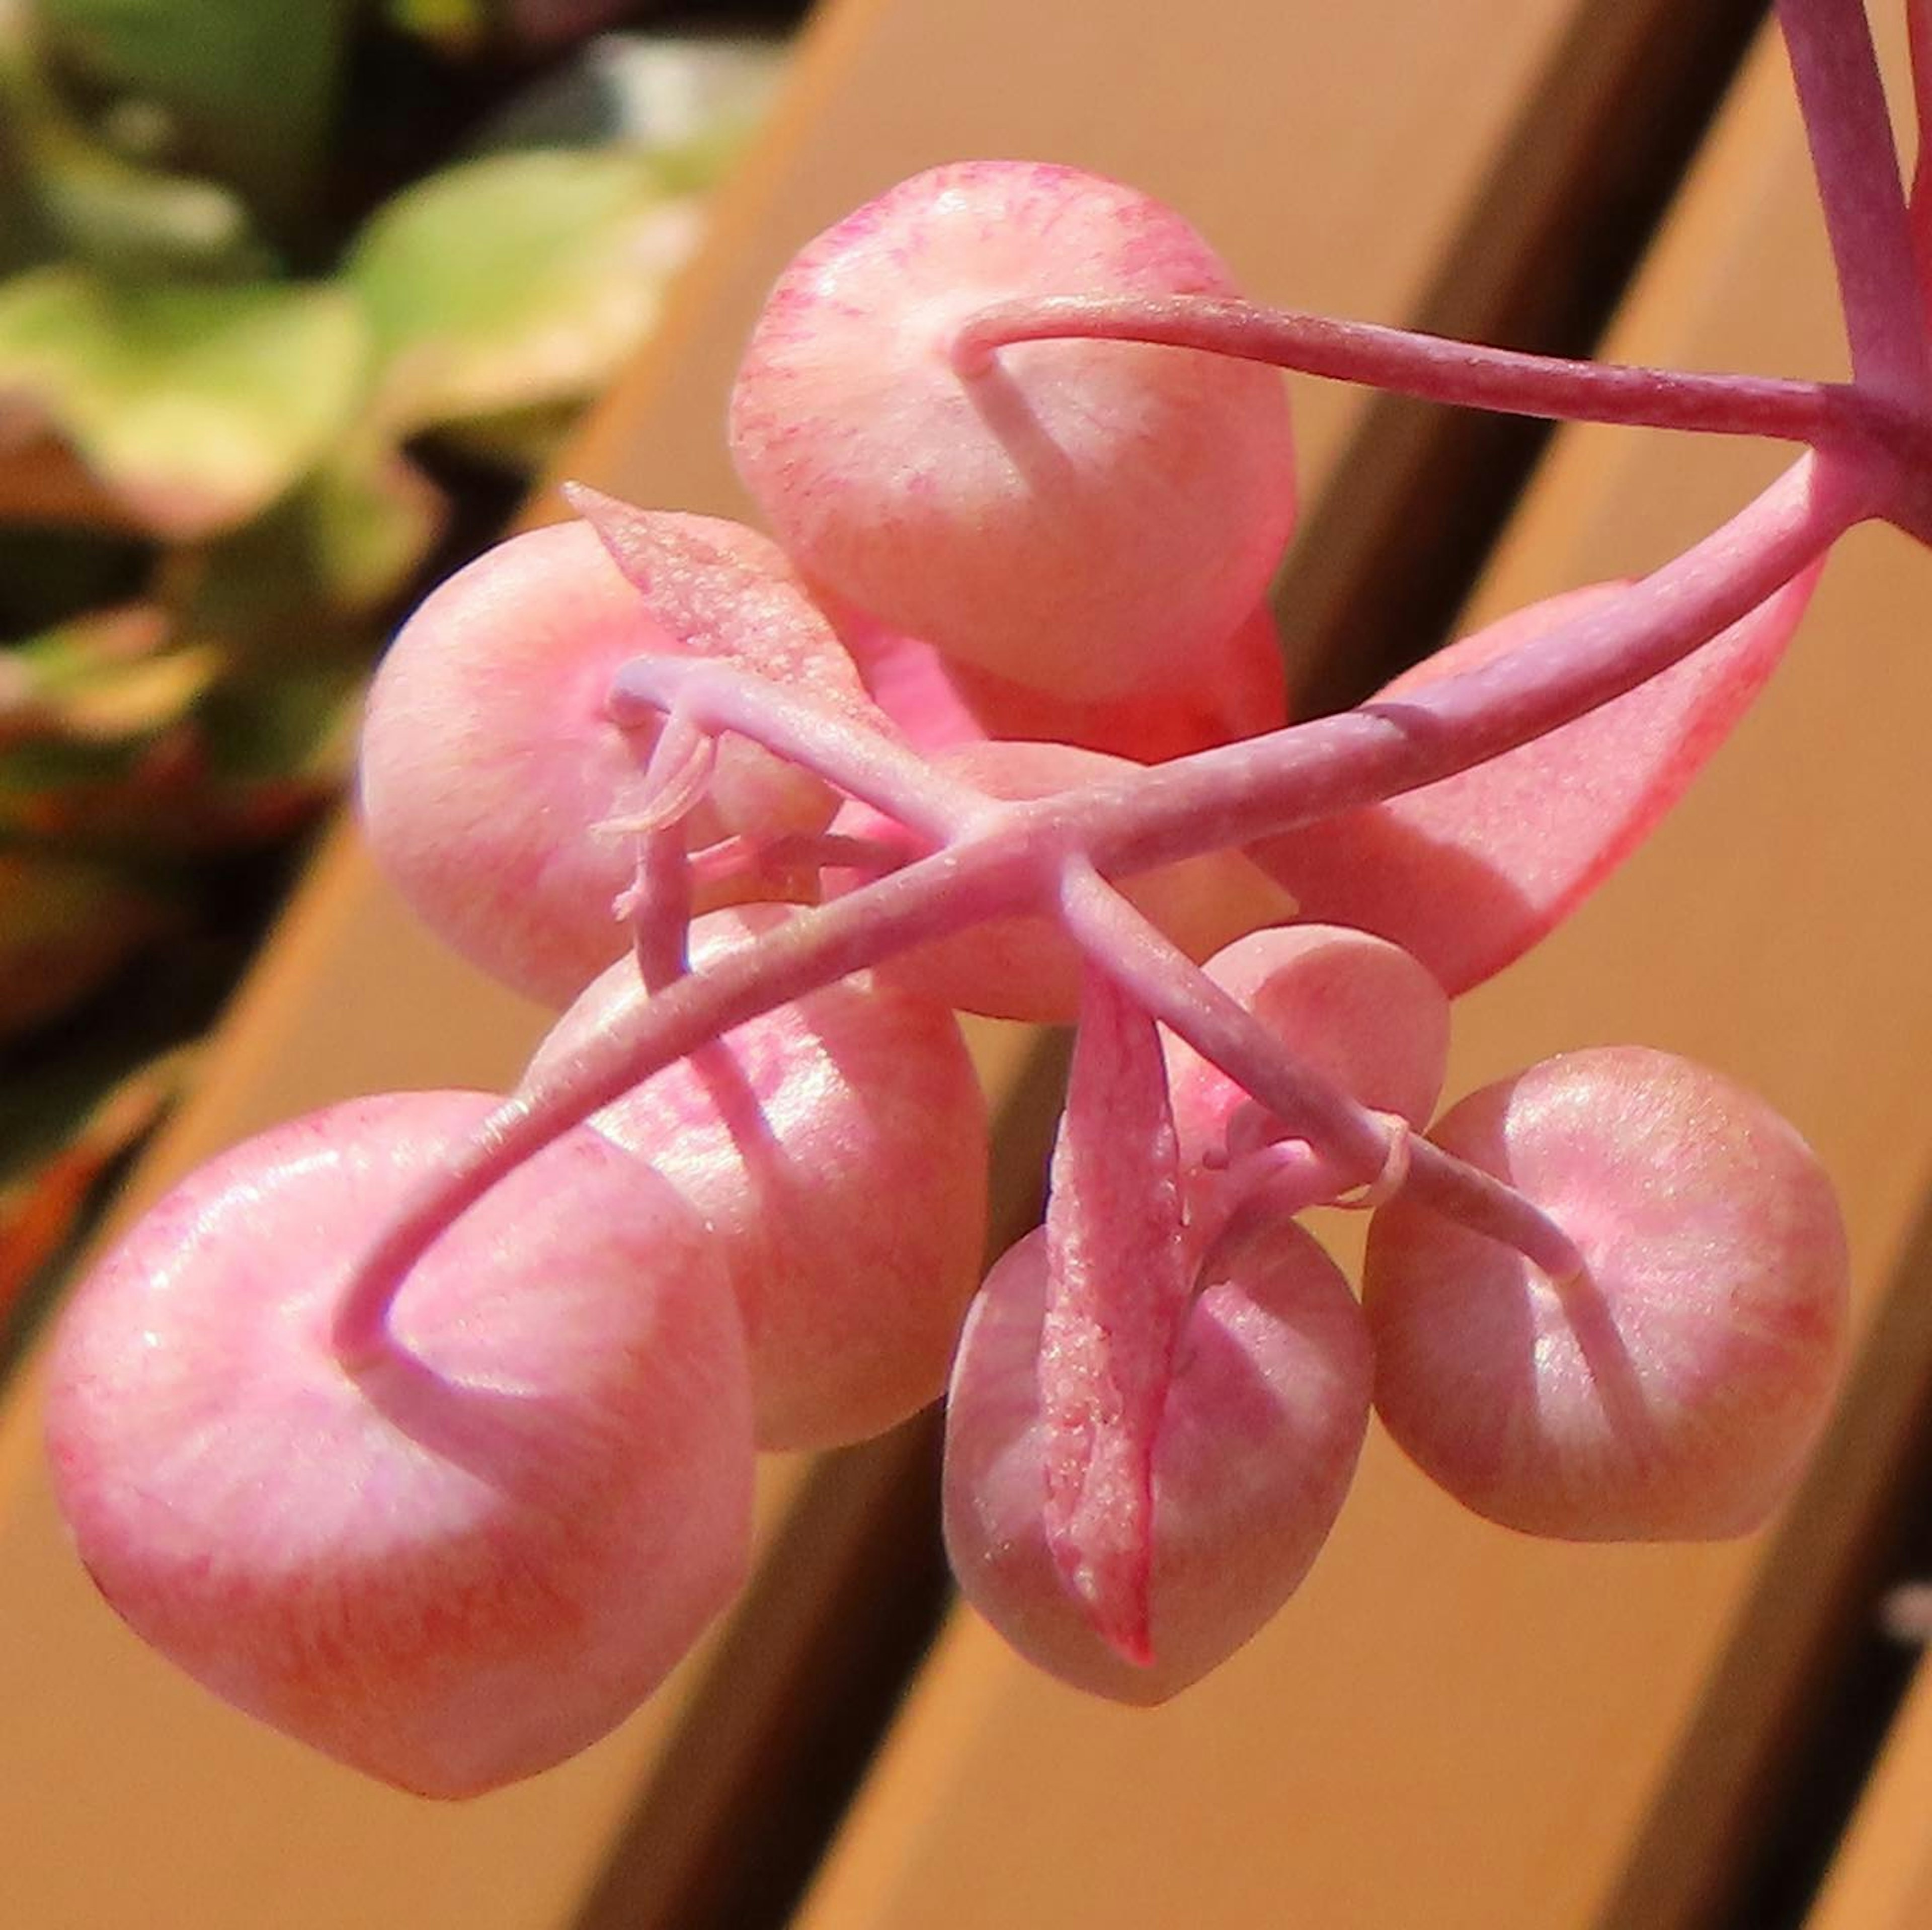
[1918, 207]
[659, 909]
[929, 899]
[864, 763]
[1236, 792]
[1437, 369]
[677, 774]
[1005, 861]
[658, 903]
[1162, 980]
[1845, 123]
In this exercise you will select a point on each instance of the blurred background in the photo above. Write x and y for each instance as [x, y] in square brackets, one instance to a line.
[295, 297]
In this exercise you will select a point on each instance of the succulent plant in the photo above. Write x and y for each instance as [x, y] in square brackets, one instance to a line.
[275, 350]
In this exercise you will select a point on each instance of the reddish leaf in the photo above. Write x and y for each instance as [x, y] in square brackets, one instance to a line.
[1469, 873]
[42, 1206]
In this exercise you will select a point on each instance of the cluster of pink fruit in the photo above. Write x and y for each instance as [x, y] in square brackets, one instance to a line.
[448, 1503]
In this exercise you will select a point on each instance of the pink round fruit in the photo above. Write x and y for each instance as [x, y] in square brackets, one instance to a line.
[1240, 691]
[489, 766]
[1357, 1011]
[1671, 1390]
[1258, 1440]
[1085, 517]
[836, 1149]
[465, 1560]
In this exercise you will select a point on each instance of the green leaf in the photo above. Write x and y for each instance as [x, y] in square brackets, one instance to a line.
[139, 221]
[196, 406]
[70, 193]
[247, 85]
[107, 679]
[213, 743]
[306, 577]
[456, 26]
[519, 441]
[372, 519]
[514, 280]
[285, 728]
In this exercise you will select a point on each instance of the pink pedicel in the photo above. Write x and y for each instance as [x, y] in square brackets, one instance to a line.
[1356, 1010]
[1079, 518]
[423, 1428]
[1671, 1389]
[804, 1140]
[462, 1560]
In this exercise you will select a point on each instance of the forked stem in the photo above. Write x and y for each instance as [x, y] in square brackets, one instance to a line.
[863, 763]
[1008, 860]
[1166, 983]
[1250, 789]
[929, 899]
[1845, 123]
[1000, 858]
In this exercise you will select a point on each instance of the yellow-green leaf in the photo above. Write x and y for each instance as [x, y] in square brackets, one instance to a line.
[105, 678]
[246, 86]
[516, 279]
[196, 406]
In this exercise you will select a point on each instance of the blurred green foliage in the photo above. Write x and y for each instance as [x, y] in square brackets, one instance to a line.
[293, 294]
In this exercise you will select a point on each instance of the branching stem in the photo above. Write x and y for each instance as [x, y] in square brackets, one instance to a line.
[927, 900]
[998, 857]
[1842, 100]
[1238, 792]
[863, 763]
[1164, 982]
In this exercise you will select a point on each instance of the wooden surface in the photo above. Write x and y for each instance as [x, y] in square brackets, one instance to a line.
[1454, 1726]
[1882, 1879]
[1293, 134]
